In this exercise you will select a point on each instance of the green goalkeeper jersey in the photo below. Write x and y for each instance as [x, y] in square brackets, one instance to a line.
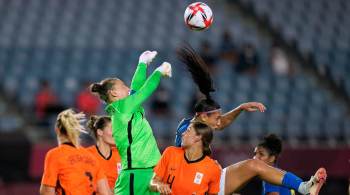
[131, 131]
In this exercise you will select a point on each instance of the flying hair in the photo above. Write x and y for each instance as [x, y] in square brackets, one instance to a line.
[198, 69]
[69, 124]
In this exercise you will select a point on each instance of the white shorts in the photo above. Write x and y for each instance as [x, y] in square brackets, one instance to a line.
[222, 182]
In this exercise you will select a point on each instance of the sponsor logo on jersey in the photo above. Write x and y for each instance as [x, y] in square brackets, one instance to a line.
[198, 178]
[119, 167]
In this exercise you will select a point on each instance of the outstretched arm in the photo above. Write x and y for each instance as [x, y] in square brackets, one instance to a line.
[134, 101]
[140, 74]
[139, 77]
[47, 190]
[229, 117]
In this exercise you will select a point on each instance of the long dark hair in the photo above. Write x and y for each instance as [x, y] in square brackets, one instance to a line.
[207, 136]
[273, 144]
[200, 75]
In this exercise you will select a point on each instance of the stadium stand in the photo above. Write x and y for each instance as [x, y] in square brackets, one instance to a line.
[319, 28]
[69, 42]
[60, 43]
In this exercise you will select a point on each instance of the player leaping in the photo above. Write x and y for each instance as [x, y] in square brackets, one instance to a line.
[131, 131]
[209, 112]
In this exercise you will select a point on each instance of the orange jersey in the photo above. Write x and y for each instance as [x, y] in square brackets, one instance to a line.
[188, 177]
[71, 170]
[111, 165]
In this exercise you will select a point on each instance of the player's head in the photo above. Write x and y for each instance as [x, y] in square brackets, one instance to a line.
[207, 110]
[198, 134]
[268, 149]
[110, 89]
[101, 129]
[68, 126]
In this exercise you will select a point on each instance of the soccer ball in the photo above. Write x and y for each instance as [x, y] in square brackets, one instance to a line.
[198, 16]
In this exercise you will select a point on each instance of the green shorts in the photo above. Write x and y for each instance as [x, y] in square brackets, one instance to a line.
[134, 182]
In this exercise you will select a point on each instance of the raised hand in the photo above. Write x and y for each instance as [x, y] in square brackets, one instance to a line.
[165, 69]
[163, 189]
[252, 107]
[147, 57]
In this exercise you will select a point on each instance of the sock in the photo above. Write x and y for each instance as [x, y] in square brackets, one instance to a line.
[291, 181]
[304, 187]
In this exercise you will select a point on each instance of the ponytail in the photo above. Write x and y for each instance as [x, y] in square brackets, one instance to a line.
[97, 122]
[198, 69]
[207, 136]
[206, 149]
[101, 89]
[68, 123]
[200, 75]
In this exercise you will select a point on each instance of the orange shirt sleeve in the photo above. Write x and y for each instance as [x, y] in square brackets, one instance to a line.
[162, 165]
[214, 184]
[50, 174]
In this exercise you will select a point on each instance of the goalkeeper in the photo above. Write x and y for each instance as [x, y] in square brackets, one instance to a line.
[131, 131]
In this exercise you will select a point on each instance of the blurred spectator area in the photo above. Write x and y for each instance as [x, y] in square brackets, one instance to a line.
[68, 43]
[320, 29]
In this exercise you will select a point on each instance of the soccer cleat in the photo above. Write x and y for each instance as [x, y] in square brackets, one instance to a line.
[317, 181]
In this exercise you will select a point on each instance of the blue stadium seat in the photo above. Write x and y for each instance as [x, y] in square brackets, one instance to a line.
[70, 42]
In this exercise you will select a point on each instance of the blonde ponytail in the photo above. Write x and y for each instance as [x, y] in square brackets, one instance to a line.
[68, 122]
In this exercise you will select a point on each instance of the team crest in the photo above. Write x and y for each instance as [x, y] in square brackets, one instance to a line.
[198, 178]
[119, 167]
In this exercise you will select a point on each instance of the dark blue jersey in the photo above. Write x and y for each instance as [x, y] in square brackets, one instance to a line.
[182, 127]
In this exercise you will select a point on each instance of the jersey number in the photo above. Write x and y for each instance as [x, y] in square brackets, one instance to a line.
[89, 175]
[170, 180]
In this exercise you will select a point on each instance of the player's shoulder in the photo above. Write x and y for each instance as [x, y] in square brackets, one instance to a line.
[213, 164]
[54, 151]
[184, 121]
[90, 151]
[114, 149]
[173, 150]
[91, 148]
[115, 153]
[61, 149]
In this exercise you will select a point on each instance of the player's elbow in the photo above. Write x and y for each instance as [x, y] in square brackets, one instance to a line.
[41, 192]
[152, 185]
[221, 126]
[103, 188]
[46, 190]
